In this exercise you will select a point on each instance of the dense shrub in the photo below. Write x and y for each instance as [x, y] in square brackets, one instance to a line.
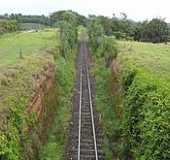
[95, 32]
[146, 120]
[8, 26]
[82, 33]
[68, 37]
[104, 51]
[107, 49]
[102, 46]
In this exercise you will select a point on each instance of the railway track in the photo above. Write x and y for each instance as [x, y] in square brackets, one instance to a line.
[85, 139]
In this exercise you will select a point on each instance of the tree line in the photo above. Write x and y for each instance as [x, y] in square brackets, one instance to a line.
[8, 26]
[155, 30]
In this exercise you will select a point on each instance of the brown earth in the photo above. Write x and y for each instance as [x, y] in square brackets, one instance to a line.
[43, 103]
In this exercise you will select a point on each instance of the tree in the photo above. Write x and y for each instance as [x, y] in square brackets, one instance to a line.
[158, 31]
[8, 26]
[155, 31]
[68, 16]
[108, 49]
[106, 24]
[68, 37]
[95, 32]
[30, 19]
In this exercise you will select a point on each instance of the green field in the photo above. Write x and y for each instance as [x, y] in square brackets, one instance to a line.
[28, 43]
[153, 60]
[13, 69]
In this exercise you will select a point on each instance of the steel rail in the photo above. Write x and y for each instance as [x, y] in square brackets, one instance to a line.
[80, 103]
[92, 114]
[91, 107]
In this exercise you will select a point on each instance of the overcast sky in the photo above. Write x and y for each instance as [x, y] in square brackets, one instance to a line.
[135, 9]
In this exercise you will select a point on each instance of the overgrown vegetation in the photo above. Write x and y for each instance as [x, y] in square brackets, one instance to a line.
[8, 26]
[57, 133]
[133, 103]
[102, 46]
[132, 87]
[107, 49]
[56, 101]
[20, 130]
[16, 85]
[65, 64]
[95, 32]
[41, 42]
[146, 123]
[68, 37]
[146, 101]
[107, 105]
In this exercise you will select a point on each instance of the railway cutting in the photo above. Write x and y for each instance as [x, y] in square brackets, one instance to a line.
[85, 137]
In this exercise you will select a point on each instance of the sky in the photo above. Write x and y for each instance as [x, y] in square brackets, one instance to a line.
[135, 9]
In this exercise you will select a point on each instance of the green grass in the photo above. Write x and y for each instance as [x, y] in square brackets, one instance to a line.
[152, 59]
[17, 83]
[145, 77]
[28, 43]
[15, 71]
[143, 101]
[107, 106]
[16, 86]
[53, 149]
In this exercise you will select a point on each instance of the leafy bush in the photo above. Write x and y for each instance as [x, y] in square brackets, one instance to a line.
[8, 26]
[107, 49]
[121, 35]
[95, 32]
[106, 109]
[146, 120]
[82, 34]
[68, 37]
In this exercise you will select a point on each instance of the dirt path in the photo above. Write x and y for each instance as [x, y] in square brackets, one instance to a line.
[85, 136]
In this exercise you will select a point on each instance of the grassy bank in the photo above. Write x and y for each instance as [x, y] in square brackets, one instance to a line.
[106, 107]
[17, 84]
[23, 133]
[145, 80]
[53, 149]
[134, 104]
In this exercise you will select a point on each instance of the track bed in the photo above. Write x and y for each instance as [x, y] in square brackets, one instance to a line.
[85, 136]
